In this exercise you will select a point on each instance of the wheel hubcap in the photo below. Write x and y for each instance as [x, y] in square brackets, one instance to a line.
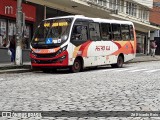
[76, 66]
[120, 62]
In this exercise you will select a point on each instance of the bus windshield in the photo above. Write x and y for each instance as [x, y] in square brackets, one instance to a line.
[51, 33]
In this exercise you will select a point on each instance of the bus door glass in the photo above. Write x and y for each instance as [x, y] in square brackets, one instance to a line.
[79, 33]
[95, 50]
[106, 37]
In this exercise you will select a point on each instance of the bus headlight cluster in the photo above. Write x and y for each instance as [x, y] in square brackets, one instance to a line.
[62, 58]
[33, 53]
[61, 50]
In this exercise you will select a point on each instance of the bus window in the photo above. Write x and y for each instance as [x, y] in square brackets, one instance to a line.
[131, 32]
[94, 31]
[79, 33]
[116, 30]
[125, 32]
[106, 31]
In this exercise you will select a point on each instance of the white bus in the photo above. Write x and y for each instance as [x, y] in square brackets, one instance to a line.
[78, 42]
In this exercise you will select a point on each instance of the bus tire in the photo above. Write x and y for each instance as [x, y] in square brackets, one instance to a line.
[119, 63]
[77, 66]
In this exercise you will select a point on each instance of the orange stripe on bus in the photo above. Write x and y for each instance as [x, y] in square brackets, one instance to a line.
[127, 48]
[45, 51]
[76, 49]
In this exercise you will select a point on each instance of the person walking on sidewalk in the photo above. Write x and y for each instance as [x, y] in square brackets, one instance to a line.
[12, 48]
[153, 47]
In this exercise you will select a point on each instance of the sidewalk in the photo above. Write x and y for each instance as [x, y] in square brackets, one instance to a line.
[10, 68]
[26, 67]
[145, 58]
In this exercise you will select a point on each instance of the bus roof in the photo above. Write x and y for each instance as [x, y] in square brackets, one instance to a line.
[93, 19]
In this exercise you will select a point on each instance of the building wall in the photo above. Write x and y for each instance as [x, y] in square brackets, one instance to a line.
[4, 57]
[156, 0]
[8, 27]
[154, 19]
[154, 15]
[148, 3]
[137, 9]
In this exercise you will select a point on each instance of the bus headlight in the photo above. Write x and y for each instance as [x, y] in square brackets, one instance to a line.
[62, 58]
[33, 53]
[61, 50]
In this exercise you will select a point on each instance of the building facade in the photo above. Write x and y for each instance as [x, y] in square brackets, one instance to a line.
[136, 11]
[8, 26]
[154, 19]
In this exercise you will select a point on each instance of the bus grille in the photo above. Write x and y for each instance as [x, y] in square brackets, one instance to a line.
[46, 55]
[45, 61]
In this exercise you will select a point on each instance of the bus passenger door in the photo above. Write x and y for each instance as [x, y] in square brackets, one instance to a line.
[79, 40]
[95, 51]
[107, 43]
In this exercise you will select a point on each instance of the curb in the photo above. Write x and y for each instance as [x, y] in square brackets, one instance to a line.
[15, 71]
[141, 61]
[15, 67]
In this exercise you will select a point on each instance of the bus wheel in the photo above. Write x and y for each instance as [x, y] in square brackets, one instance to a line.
[77, 66]
[119, 63]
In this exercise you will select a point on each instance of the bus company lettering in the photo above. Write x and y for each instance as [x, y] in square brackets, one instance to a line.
[102, 48]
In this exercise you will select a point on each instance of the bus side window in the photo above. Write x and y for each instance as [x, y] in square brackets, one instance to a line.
[76, 33]
[125, 32]
[116, 30]
[131, 32]
[106, 31]
[94, 31]
[79, 33]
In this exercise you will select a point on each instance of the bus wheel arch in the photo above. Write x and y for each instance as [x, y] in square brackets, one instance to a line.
[120, 61]
[77, 65]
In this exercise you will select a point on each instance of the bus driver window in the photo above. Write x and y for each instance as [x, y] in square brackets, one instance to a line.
[76, 33]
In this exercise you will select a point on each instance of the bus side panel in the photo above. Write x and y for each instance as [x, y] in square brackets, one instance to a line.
[70, 54]
[126, 48]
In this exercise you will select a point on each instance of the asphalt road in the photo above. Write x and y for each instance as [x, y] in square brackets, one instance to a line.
[136, 87]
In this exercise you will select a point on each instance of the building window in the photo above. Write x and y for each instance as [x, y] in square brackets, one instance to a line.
[3, 31]
[127, 8]
[140, 13]
[8, 33]
[131, 9]
[26, 37]
[100, 2]
[96, 1]
[113, 4]
[145, 15]
[105, 3]
[121, 6]
[134, 10]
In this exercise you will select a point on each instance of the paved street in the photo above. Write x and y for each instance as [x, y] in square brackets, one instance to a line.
[134, 87]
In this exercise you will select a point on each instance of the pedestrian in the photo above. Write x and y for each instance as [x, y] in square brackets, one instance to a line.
[12, 48]
[153, 47]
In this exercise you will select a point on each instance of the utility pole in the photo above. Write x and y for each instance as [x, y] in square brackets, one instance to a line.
[18, 58]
